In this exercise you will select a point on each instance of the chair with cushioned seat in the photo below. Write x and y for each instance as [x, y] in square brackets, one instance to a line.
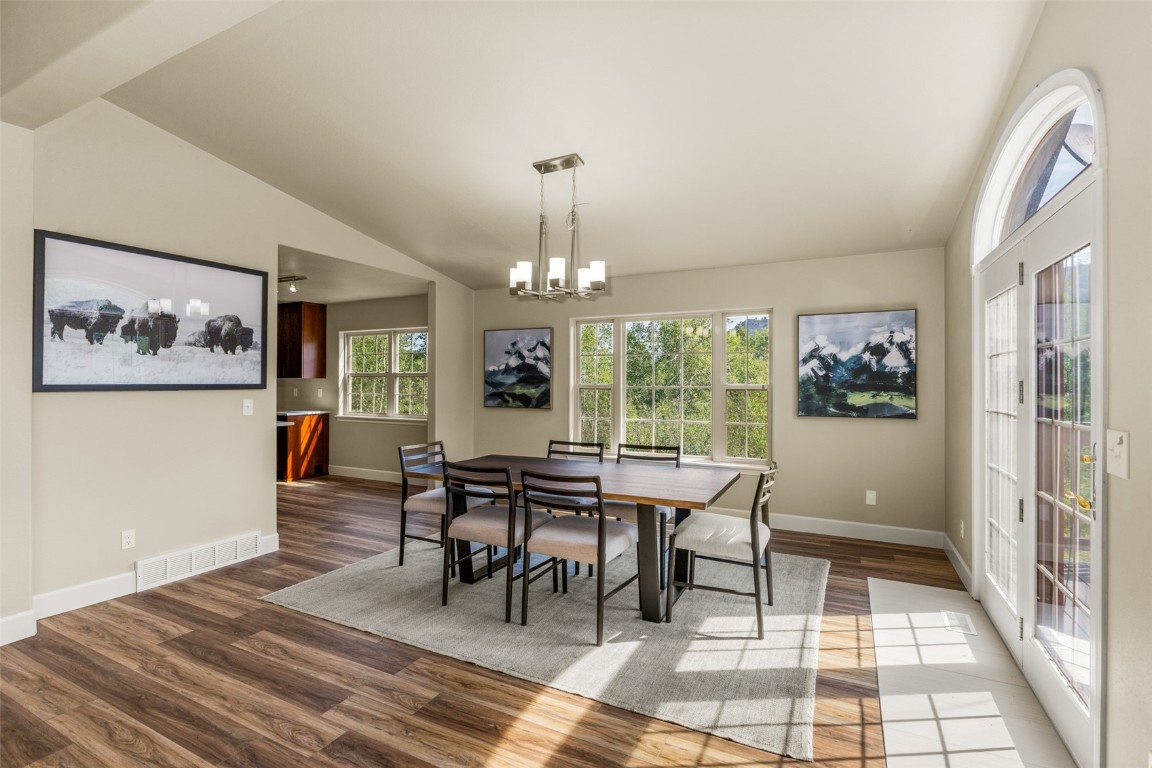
[424, 463]
[493, 520]
[588, 535]
[712, 536]
[626, 510]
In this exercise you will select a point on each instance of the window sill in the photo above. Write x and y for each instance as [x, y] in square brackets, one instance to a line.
[383, 419]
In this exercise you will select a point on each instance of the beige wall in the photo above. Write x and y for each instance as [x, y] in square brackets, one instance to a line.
[1111, 41]
[826, 464]
[102, 462]
[16, 153]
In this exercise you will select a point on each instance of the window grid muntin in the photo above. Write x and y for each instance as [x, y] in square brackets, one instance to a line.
[376, 383]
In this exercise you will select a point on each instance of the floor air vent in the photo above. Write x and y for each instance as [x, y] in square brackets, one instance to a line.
[178, 565]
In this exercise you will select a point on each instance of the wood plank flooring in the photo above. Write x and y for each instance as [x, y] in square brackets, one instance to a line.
[202, 673]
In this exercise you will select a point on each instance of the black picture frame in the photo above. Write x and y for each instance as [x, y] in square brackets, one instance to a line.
[109, 317]
[518, 368]
[857, 364]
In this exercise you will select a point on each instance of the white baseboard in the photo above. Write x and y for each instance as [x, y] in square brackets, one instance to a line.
[269, 543]
[958, 563]
[892, 534]
[83, 595]
[360, 473]
[17, 627]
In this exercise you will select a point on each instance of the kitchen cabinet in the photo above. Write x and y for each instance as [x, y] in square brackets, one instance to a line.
[302, 336]
[302, 445]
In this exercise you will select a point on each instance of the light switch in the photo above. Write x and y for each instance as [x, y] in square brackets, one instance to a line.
[1116, 459]
[247, 408]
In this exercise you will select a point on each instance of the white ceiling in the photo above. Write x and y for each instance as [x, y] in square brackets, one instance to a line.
[714, 133]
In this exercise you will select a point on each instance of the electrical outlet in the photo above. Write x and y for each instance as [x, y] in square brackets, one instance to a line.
[319, 392]
[295, 392]
[870, 497]
[962, 536]
[128, 538]
[246, 409]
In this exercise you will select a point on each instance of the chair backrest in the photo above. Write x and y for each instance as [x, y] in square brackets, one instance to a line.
[564, 449]
[488, 483]
[567, 492]
[764, 494]
[424, 461]
[638, 452]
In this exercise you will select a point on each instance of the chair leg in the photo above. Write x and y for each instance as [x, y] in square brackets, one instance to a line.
[663, 559]
[524, 589]
[768, 570]
[564, 575]
[668, 595]
[444, 575]
[488, 552]
[756, 589]
[508, 581]
[403, 531]
[600, 605]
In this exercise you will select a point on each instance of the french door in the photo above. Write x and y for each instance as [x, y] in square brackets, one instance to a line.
[1040, 485]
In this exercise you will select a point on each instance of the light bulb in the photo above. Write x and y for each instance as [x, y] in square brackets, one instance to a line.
[292, 286]
[556, 271]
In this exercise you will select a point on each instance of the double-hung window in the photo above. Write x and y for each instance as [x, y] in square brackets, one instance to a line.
[385, 373]
[698, 381]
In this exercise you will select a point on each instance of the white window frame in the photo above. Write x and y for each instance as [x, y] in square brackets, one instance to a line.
[720, 387]
[391, 377]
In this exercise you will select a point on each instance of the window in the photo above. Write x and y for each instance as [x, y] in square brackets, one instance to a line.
[385, 373]
[699, 382]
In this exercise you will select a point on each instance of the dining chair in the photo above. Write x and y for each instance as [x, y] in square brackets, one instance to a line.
[591, 537]
[423, 463]
[626, 510]
[567, 449]
[493, 521]
[712, 536]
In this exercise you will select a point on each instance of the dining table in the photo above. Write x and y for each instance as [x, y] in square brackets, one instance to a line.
[648, 485]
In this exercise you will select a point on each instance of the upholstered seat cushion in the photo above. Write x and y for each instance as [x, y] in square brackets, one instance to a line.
[573, 537]
[433, 501]
[708, 533]
[489, 525]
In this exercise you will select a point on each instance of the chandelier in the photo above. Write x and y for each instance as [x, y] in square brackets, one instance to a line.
[557, 277]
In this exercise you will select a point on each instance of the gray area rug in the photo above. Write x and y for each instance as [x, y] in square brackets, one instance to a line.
[706, 670]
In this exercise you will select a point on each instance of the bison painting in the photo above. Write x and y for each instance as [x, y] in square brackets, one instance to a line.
[152, 331]
[228, 333]
[96, 317]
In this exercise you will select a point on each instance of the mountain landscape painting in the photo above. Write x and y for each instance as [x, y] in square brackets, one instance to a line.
[518, 368]
[858, 364]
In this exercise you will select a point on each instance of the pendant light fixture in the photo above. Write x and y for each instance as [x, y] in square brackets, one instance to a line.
[557, 277]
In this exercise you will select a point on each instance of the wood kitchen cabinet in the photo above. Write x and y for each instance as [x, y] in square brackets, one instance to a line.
[301, 339]
[302, 446]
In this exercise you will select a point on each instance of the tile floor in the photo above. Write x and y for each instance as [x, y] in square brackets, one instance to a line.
[951, 695]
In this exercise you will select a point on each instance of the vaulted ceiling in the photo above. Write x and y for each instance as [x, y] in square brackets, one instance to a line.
[714, 133]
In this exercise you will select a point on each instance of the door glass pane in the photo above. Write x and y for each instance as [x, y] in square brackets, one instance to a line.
[1064, 468]
[1000, 450]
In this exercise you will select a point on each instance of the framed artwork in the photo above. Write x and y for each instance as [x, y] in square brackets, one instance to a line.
[858, 364]
[518, 368]
[115, 317]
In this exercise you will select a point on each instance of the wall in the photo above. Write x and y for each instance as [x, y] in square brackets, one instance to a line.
[182, 468]
[359, 447]
[16, 154]
[1109, 40]
[826, 464]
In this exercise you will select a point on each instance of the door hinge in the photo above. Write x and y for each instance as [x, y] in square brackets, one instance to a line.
[1020, 272]
[1021, 510]
[1020, 391]
[1021, 627]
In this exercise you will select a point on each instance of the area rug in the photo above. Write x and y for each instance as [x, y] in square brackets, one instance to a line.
[706, 670]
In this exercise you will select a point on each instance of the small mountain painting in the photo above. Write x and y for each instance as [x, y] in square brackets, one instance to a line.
[860, 364]
[518, 368]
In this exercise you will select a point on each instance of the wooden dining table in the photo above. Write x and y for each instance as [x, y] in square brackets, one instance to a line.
[648, 485]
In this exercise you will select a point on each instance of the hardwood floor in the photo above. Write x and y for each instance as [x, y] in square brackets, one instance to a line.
[203, 673]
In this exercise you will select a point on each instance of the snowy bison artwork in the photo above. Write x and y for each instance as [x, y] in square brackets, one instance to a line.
[96, 317]
[182, 328]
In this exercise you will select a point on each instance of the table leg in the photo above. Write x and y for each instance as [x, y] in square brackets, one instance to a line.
[648, 554]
